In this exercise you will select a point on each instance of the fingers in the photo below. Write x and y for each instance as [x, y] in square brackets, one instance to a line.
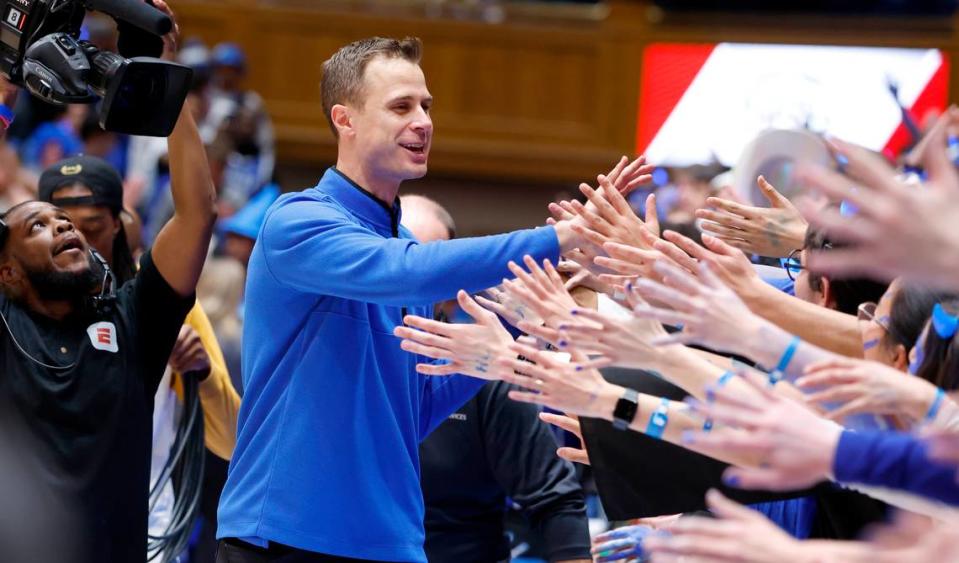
[856, 406]
[680, 278]
[630, 253]
[827, 377]
[499, 308]
[595, 221]
[654, 291]
[616, 199]
[429, 325]
[723, 507]
[665, 316]
[577, 279]
[726, 219]
[559, 213]
[568, 424]
[421, 337]
[553, 276]
[936, 161]
[733, 207]
[606, 211]
[617, 170]
[574, 455]
[474, 310]
[542, 332]
[439, 369]
[687, 244]
[842, 188]
[428, 351]
[674, 253]
[652, 215]
[835, 394]
[528, 397]
[764, 479]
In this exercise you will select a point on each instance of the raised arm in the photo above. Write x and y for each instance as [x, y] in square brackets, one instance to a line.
[181, 246]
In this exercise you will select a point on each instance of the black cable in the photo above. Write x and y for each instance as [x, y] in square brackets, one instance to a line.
[185, 468]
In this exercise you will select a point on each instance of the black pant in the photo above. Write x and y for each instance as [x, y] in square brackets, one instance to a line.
[237, 551]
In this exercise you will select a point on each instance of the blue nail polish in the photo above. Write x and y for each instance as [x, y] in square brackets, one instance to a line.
[629, 286]
[692, 402]
[579, 368]
[731, 480]
[573, 312]
[710, 394]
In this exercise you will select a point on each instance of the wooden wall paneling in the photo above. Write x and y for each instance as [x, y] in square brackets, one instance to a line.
[533, 98]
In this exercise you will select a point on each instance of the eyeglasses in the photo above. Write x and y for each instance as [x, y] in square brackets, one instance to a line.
[792, 264]
[867, 313]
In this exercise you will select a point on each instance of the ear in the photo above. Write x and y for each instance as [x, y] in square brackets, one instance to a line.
[10, 274]
[900, 357]
[826, 297]
[342, 119]
[117, 225]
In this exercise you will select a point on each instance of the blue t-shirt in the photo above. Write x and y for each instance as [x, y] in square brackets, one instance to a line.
[333, 410]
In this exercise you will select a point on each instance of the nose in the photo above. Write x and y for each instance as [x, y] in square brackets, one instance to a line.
[422, 123]
[63, 226]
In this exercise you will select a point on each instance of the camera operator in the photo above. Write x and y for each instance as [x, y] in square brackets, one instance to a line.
[91, 191]
[82, 360]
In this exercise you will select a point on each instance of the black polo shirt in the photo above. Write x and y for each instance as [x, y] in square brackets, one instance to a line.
[491, 448]
[91, 425]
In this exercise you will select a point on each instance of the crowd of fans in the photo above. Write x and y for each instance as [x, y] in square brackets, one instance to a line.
[831, 377]
[802, 349]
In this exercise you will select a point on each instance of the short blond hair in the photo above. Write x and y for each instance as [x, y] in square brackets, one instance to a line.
[342, 80]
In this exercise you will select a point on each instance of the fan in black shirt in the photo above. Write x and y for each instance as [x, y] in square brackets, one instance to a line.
[80, 375]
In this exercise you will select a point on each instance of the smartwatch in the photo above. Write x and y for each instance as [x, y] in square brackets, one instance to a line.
[625, 410]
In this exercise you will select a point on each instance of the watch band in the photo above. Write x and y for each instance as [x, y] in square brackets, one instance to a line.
[625, 410]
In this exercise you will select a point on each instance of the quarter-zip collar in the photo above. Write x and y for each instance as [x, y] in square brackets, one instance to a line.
[361, 202]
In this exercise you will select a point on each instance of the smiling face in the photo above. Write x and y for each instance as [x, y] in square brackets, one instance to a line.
[45, 253]
[389, 131]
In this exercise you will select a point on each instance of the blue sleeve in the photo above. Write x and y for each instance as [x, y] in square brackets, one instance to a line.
[313, 247]
[442, 396]
[896, 461]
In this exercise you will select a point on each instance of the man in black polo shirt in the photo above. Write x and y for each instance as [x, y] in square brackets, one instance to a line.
[79, 363]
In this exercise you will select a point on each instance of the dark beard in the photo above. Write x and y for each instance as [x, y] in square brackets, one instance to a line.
[66, 286]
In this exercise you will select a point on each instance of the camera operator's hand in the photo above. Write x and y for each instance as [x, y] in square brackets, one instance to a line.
[172, 39]
[188, 354]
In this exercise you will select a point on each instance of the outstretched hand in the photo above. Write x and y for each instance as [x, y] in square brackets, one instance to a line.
[737, 533]
[470, 349]
[569, 423]
[792, 446]
[898, 230]
[709, 312]
[772, 231]
[857, 386]
[576, 388]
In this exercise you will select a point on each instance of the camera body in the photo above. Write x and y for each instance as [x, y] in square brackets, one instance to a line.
[40, 50]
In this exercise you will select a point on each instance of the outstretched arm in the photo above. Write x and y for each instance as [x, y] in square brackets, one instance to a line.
[181, 246]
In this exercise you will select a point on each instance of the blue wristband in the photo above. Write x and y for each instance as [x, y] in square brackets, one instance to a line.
[658, 420]
[936, 404]
[777, 374]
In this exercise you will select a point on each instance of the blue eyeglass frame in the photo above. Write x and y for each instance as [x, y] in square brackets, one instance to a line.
[792, 264]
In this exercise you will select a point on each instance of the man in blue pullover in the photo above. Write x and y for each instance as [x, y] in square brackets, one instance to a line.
[326, 465]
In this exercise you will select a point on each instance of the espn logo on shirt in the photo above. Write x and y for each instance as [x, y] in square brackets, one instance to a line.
[103, 336]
